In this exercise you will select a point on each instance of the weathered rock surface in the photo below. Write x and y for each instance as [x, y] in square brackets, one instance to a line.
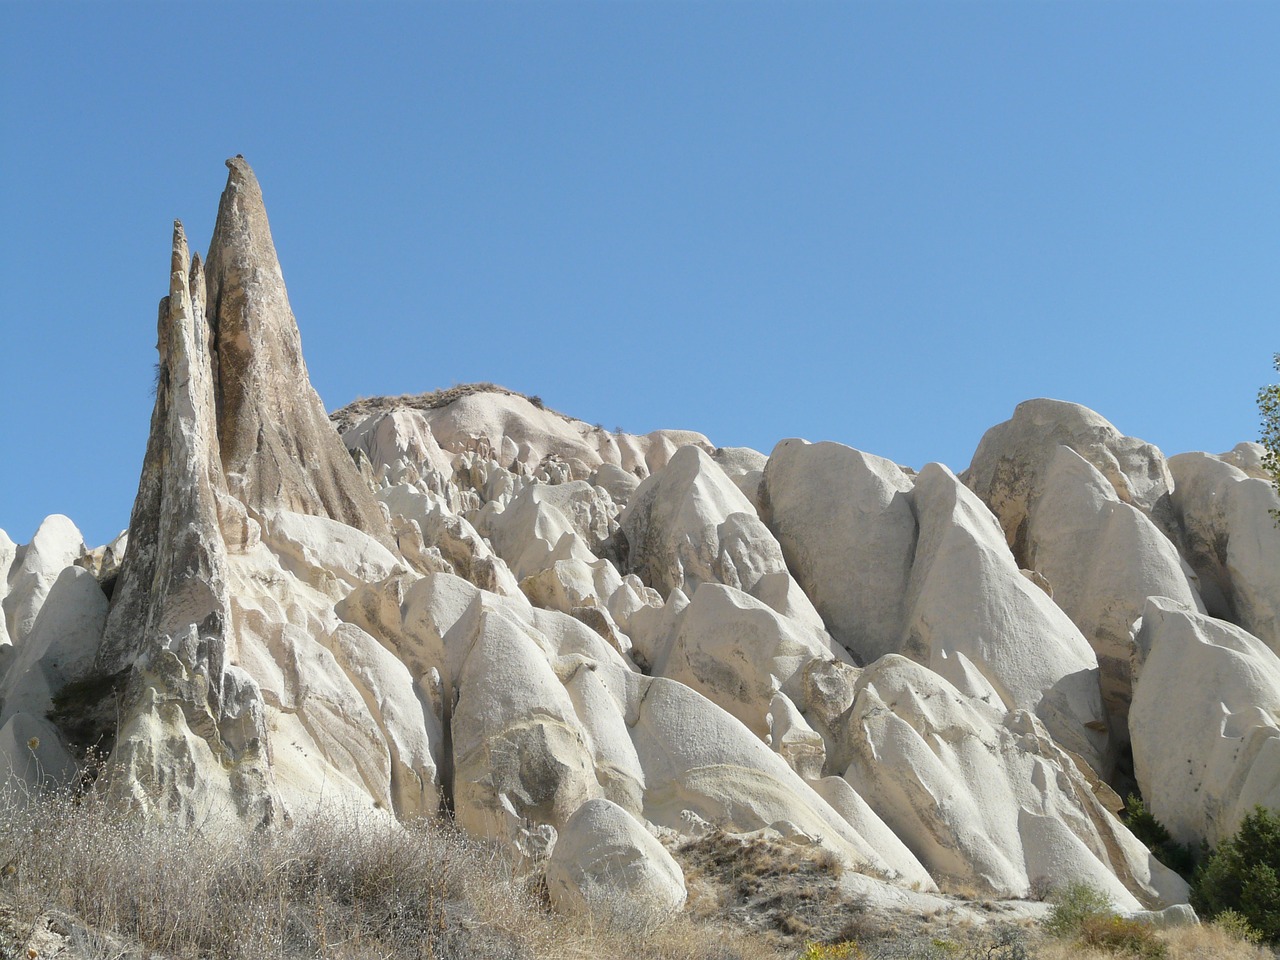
[847, 528]
[983, 796]
[1103, 558]
[277, 447]
[57, 544]
[970, 611]
[609, 867]
[1008, 468]
[1205, 722]
[574, 640]
[1230, 537]
[689, 524]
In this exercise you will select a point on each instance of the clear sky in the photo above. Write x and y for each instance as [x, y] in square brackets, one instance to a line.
[879, 223]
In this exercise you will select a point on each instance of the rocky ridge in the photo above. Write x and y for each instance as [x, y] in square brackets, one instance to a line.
[588, 644]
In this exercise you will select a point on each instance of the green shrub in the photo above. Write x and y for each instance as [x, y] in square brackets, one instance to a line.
[1233, 923]
[1073, 906]
[1243, 875]
[1143, 825]
[1122, 935]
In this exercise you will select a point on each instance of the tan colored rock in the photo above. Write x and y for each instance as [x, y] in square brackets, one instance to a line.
[846, 526]
[606, 866]
[1104, 558]
[1205, 722]
[1008, 468]
[983, 796]
[278, 449]
[1231, 540]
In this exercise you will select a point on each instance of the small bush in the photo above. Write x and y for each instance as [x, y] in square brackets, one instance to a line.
[1243, 875]
[833, 951]
[1234, 924]
[1121, 935]
[1074, 906]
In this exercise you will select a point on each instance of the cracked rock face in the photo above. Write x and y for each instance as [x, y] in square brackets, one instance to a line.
[584, 644]
[240, 444]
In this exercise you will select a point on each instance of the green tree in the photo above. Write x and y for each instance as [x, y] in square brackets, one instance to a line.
[1243, 875]
[1269, 407]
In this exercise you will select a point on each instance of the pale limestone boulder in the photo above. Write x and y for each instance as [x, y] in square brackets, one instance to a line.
[970, 611]
[745, 467]
[983, 796]
[1204, 723]
[1178, 915]
[903, 866]
[1103, 558]
[688, 524]
[1248, 458]
[519, 749]
[620, 484]
[60, 647]
[739, 653]
[569, 584]
[1008, 468]
[328, 555]
[564, 521]
[1231, 540]
[791, 737]
[8, 552]
[404, 715]
[846, 526]
[698, 759]
[399, 435]
[607, 866]
[57, 544]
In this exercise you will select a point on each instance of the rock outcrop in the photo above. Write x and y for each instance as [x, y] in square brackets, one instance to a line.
[1231, 540]
[607, 866]
[590, 646]
[1008, 468]
[1205, 722]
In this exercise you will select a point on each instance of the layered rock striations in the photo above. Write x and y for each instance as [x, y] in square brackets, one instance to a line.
[590, 645]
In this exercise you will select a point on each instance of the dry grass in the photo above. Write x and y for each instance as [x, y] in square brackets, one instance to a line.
[76, 872]
[359, 409]
[790, 894]
[1203, 942]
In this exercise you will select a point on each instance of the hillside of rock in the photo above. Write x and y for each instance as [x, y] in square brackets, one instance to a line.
[587, 645]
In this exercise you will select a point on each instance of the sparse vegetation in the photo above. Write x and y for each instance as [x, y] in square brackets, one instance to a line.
[77, 872]
[107, 883]
[357, 410]
[1073, 906]
[1242, 876]
[1269, 407]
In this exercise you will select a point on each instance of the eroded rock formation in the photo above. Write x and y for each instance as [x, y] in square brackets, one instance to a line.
[588, 645]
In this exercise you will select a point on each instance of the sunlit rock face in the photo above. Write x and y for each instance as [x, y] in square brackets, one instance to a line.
[1205, 721]
[587, 645]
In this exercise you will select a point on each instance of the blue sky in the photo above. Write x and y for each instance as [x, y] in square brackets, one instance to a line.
[882, 224]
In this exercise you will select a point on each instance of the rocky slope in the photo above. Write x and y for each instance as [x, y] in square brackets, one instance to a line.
[585, 644]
